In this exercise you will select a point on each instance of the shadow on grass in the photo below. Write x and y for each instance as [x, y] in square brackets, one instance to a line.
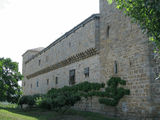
[41, 114]
[38, 114]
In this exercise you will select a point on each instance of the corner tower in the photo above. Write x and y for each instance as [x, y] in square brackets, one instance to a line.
[28, 55]
[125, 52]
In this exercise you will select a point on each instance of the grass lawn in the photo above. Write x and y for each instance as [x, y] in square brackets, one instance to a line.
[10, 112]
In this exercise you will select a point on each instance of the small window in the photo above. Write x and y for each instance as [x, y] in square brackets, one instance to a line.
[56, 80]
[107, 31]
[24, 83]
[37, 84]
[130, 63]
[69, 44]
[31, 85]
[72, 77]
[115, 67]
[46, 58]
[86, 72]
[47, 81]
[39, 62]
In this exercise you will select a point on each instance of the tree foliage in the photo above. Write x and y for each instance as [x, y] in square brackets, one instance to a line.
[112, 94]
[69, 95]
[62, 99]
[28, 100]
[146, 13]
[9, 76]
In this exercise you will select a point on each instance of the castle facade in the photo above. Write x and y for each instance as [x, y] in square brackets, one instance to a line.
[102, 46]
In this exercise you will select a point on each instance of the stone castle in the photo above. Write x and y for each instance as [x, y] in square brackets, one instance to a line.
[103, 45]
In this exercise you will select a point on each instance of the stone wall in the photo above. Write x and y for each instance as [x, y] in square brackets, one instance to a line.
[63, 76]
[28, 55]
[155, 81]
[124, 44]
[76, 49]
[111, 46]
[78, 41]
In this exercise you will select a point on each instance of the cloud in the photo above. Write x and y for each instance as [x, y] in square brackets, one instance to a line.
[3, 3]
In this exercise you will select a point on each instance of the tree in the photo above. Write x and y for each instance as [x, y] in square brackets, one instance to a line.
[9, 76]
[146, 13]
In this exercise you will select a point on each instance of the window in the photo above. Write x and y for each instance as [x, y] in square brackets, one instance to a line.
[69, 44]
[47, 81]
[107, 31]
[39, 62]
[46, 58]
[24, 83]
[37, 84]
[115, 67]
[86, 72]
[56, 80]
[72, 77]
[31, 85]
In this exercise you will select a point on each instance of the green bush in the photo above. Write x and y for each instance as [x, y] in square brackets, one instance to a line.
[63, 98]
[28, 100]
[69, 95]
[44, 102]
[22, 100]
[113, 93]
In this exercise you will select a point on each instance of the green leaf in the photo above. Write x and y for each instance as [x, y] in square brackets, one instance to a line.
[110, 1]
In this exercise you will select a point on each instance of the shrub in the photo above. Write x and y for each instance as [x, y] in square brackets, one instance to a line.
[63, 98]
[22, 100]
[28, 99]
[44, 102]
[113, 93]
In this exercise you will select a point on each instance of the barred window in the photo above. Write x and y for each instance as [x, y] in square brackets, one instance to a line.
[37, 84]
[86, 72]
[72, 77]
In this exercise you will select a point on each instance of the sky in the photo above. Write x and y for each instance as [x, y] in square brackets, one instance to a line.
[27, 24]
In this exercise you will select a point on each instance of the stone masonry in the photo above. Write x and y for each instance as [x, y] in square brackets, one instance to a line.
[100, 43]
[77, 49]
